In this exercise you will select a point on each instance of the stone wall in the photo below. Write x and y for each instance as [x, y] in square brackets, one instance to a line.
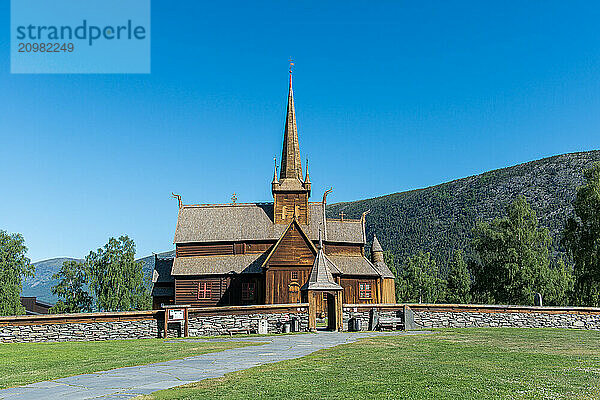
[208, 325]
[440, 316]
[363, 313]
[87, 331]
[146, 324]
[218, 320]
[473, 316]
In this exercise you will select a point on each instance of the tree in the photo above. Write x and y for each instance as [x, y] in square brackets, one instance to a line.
[115, 278]
[559, 290]
[71, 289]
[458, 288]
[511, 257]
[14, 267]
[582, 239]
[419, 280]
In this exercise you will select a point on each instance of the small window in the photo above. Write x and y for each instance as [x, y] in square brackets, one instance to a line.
[364, 290]
[295, 275]
[203, 290]
[248, 291]
[324, 296]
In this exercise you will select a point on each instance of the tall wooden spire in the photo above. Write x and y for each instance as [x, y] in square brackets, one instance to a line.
[291, 166]
[291, 192]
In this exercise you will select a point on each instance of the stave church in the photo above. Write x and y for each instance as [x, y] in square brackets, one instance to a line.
[272, 253]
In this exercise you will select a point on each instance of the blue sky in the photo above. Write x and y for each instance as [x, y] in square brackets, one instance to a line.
[390, 96]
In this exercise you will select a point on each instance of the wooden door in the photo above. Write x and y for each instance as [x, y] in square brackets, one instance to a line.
[294, 292]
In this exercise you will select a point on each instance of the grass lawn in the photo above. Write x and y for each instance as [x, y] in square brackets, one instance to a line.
[450, 364]
[23, 363]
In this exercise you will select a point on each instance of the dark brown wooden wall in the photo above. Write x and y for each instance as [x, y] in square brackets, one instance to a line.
[350, 286]
[278, 281]
[300, 200]
[225, 290]
[216, 249]
[293, 250]
[343, 249]
[200, 249]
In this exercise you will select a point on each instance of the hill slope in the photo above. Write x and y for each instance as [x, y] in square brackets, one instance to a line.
[40, 285]
[440, 218]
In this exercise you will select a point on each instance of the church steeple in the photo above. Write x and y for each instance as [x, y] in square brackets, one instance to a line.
[291, 166]
[292, 190]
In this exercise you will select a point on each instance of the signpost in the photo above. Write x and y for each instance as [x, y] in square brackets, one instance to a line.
[176, 313]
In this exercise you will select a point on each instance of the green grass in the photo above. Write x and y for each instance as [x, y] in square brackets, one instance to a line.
[23, 363]
[451, 364]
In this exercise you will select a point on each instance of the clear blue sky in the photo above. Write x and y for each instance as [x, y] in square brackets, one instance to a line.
[389, 97]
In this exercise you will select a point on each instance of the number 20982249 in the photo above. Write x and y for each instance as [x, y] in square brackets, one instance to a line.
[46, 47]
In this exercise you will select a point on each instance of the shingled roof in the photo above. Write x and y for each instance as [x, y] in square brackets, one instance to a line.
[384, 270]
[353, 265]
[321, 277]
[162, 270]
[163, 291]
[254, 221]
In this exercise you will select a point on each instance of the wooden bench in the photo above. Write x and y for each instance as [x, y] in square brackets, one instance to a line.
[238, 330]
[390, 323]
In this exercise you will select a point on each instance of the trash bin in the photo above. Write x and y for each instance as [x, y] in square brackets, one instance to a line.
[287, 327]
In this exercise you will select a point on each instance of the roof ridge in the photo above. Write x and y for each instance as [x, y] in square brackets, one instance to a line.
[345, 220]
[214, 205]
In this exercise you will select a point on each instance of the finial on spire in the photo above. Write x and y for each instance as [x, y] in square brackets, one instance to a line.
[275, 170]
[291, 65]
[234, 198]
[307, 178]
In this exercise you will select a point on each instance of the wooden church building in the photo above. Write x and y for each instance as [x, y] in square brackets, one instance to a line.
[272, 253]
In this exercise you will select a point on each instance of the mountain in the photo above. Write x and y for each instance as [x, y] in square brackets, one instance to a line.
[440, 218]
[40, 285]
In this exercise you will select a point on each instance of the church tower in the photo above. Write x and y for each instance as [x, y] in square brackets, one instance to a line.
[291, 191]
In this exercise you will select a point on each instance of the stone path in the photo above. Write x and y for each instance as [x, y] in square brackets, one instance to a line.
[128, 382]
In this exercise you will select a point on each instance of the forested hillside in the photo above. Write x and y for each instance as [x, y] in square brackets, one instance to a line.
[440, 218]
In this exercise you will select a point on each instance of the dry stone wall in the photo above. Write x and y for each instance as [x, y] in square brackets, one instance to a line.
[88, 331]
[219, 320]
[429, 319]
[147, 324]
[364, 315]
[208, 325]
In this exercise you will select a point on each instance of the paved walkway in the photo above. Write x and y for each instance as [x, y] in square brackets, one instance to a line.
[128, 382]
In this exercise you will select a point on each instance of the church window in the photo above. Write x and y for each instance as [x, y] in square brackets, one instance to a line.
[248, 290]
[364, 290]
[203, 290]
[295, 275]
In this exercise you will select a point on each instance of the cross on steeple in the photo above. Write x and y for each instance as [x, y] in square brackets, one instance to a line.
[234, 198]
